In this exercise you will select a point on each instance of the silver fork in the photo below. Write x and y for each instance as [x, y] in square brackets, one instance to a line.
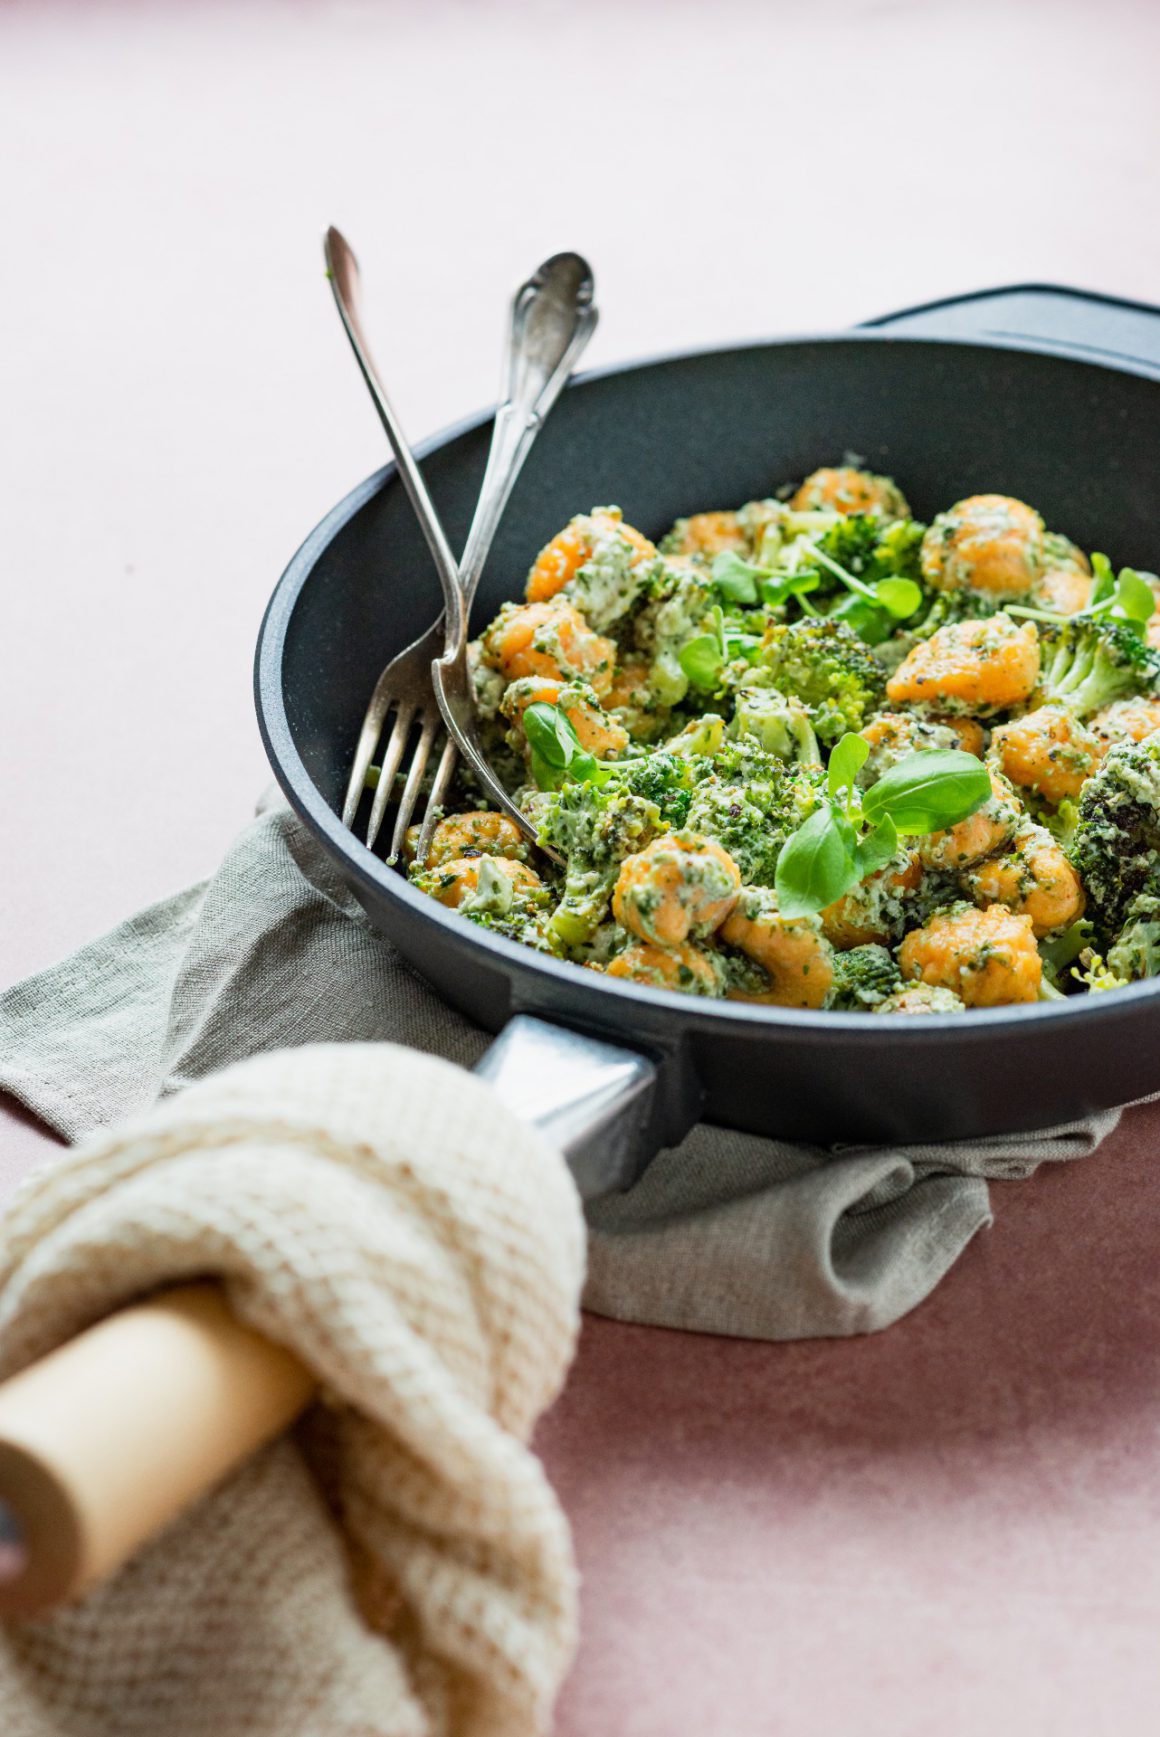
[552, 319]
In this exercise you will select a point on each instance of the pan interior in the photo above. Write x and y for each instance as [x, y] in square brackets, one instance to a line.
[717, 429]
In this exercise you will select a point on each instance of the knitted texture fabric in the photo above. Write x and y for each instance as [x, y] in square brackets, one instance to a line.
[398, 1566]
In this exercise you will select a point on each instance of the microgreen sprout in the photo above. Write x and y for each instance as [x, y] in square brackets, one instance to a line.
[704, 658]
[1125, 597]
[898, 598]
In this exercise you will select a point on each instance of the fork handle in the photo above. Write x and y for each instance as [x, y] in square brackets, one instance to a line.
[343, 272]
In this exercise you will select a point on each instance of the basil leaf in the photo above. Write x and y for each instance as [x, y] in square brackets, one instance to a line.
[1135, 596]
[815, 866]
[551, 735]
[878, 848]
[557, 753]
[928, 791]
[736, 579]
[846, 831]
[846, 761]
[702, 660]
[899, 597]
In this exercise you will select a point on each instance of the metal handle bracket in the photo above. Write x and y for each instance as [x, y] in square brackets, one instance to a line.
[606, 1107]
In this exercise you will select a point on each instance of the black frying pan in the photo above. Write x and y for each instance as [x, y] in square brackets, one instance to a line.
[1043, 394]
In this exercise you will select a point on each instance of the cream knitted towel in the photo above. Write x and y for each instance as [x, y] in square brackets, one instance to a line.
[400, 1566]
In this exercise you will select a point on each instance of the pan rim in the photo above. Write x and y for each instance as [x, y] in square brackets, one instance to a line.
[372, 872]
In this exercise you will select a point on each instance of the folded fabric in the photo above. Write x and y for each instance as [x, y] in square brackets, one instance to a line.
[399, 1567]
[728, 1233]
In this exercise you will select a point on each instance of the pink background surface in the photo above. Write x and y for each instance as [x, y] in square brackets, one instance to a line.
[955, 1526]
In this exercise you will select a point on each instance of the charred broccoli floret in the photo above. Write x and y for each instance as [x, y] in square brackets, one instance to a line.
[864, 977]
[825, 665]
[665, 779]
[1116, 840]
[750, 802]
[1086, 664]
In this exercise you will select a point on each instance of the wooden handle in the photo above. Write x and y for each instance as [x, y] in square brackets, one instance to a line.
[111, 1436]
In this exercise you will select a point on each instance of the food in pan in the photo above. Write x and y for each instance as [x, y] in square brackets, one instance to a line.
[813, 753]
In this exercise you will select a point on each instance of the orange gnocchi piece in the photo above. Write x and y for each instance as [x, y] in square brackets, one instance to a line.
[479, 833]
[1126, 721]
[682, 967]
[457, 879]
[987, 830]
[793, 952]
[598, 733]
[1048, 750]
[988, 958]
[845, 490]
[560, 560]
[988, 543]
[1033, 878]
[549, 639]
[873, 911]
[680, 885]
[970, 666]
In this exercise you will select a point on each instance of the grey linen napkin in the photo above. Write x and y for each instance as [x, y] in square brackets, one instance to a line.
[727, 1233]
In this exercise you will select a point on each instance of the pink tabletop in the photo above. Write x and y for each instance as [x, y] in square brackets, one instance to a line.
[954, 1526]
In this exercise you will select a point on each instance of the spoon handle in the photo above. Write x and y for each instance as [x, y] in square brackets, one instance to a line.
[552, 318]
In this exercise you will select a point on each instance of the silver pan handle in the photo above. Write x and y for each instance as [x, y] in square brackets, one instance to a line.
[594, 1100]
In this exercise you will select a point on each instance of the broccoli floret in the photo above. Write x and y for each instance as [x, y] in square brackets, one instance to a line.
[782, 726]
[826, 666]
[946, 608]
[871, 548]
[1095, 974]
[1117, 834]
[1060, 953]
[918, 998]
[1136, 952]
[704, 735]
[664, 778]
[851, 541]
[750, 802]
[675, 601]
[863, 978]
[595, 826]
[1086, 664]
